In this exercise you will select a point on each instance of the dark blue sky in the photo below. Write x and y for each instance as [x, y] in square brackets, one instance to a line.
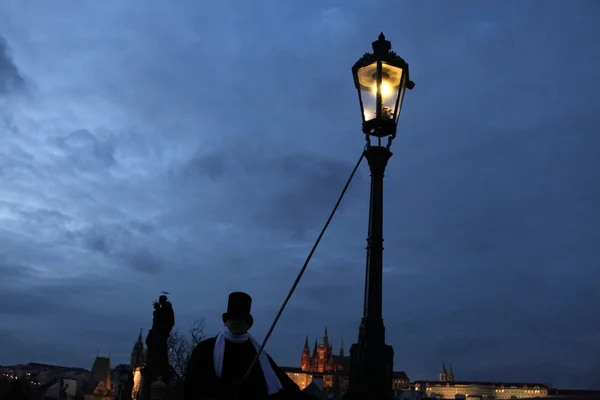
[198, 148]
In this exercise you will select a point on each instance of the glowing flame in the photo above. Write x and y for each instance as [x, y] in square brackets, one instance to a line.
[386, 89]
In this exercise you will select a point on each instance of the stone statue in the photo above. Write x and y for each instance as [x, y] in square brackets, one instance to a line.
[157, 360]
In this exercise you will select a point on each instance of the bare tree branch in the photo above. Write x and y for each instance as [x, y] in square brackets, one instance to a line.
[179, 352]
[181, 347]
[197, 331]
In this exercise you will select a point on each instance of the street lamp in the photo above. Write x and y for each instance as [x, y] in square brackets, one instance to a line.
[381, 78]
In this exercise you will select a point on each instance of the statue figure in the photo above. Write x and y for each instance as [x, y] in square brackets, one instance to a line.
[157, 360]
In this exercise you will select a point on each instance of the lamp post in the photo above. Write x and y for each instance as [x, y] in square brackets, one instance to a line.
[381, 78]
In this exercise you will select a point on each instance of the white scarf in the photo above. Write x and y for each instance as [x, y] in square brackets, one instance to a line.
[273, 383]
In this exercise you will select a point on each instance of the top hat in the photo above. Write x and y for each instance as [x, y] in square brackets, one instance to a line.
[238, 306]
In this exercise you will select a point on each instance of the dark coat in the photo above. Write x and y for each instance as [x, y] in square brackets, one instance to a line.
[201, 381]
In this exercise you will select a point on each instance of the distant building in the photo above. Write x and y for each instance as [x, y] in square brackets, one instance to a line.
[323, 360]
[300, 378]
[449, 388]
[39, 373]
[138, 359]
[68, 388]
[400, 381]
[64, 389]
[128, 377]
[332, 369]
[99, 386]
[316, 388]
[32, 391]
[446, 376]
[569, 394]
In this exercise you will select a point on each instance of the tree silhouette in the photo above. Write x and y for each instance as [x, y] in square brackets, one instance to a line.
[181, 347]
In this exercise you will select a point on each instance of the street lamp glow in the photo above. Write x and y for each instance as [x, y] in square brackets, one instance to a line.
[386, 90]
[381, 78]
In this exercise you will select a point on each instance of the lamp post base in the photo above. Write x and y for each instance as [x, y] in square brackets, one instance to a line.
[371, 371]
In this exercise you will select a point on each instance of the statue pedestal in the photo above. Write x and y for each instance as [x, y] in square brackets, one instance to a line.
[151, 374]
[158, 390]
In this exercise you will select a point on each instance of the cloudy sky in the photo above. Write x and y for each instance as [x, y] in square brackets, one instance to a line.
[198, 147]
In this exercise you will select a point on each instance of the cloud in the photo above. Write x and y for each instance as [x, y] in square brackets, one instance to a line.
[315, 187]
[144, 261]
[61, 307]
[12, 269]
[83, 148]
[11, 80]
[335, 22]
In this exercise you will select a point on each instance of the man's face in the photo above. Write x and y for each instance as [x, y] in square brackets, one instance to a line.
[237, 326]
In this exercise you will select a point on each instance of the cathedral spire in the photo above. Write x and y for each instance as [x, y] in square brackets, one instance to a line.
[137, 353]
[443, 373]
[140, 342]
[305, 360]
[325, 338]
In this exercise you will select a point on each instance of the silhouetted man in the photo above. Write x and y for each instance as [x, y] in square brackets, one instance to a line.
[217, 366]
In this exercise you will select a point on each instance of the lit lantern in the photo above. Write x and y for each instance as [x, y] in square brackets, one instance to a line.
[381, 78]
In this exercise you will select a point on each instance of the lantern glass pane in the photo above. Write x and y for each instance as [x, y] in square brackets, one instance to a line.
[398, 107]
[367, 81]
[390, 91]
[391, 81]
